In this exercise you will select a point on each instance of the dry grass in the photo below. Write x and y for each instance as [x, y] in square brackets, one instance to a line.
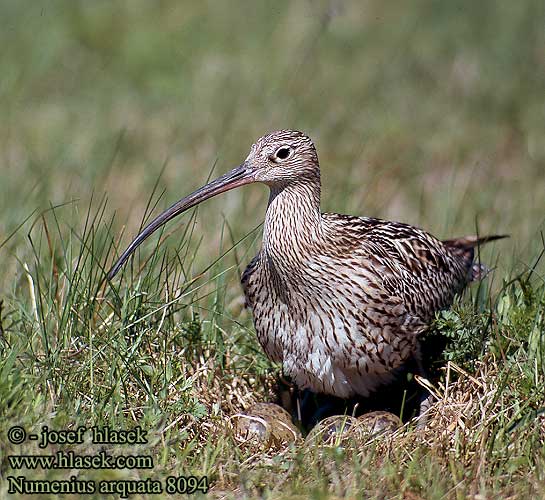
[458, 443]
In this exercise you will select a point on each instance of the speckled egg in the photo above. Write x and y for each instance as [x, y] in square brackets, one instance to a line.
[265, 425]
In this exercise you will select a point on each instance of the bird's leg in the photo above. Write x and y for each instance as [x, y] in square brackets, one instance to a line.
[286, 393]
[426, 402]
[426, 398]
[315, 407]
[306, 407]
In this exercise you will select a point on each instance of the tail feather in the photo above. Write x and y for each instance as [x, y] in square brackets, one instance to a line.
[466, 242]
[465, 248]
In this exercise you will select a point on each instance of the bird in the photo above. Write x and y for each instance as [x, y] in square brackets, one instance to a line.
[341, 301]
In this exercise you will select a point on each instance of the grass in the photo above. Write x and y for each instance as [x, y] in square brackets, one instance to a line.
[427, 112]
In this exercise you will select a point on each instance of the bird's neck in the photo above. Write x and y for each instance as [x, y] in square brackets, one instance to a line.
[293, 223]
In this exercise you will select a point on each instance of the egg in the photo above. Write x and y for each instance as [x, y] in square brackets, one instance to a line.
[265, 426]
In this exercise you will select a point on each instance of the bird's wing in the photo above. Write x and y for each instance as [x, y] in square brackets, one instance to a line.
[249, 281]
[407, 262]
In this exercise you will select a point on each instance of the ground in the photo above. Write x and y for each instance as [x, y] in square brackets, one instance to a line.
[426, 112]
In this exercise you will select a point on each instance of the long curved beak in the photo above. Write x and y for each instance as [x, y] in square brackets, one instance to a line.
[237, 177]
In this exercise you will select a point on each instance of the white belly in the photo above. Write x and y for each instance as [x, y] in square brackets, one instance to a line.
[328, 353]
[327, 334]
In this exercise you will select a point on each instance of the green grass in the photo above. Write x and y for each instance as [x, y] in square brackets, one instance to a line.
[426, 112]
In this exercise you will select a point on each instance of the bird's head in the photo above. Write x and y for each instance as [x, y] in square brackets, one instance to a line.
[283, 157]
[276, 159]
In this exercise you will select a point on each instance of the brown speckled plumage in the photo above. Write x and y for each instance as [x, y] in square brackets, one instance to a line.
[339, 300]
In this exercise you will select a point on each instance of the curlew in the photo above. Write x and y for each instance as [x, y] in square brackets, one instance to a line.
[340, 301]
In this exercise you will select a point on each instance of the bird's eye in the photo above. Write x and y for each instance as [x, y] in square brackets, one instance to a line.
[282, 153]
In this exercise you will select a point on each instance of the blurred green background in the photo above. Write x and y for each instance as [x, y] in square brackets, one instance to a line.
[427, 112]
